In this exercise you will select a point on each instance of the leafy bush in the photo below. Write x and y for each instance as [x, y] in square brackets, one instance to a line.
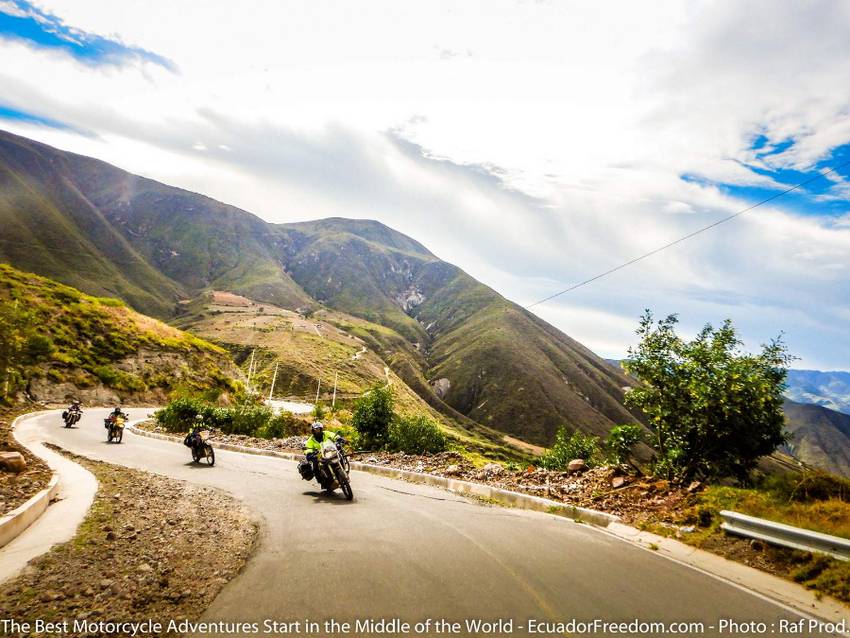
[714, 410]
[621, 440]
[248, 419]
[415, 435]
[373, 415]
[39, 347]
[279, 426]
[179, 414]
[568, 447]
[318, 411]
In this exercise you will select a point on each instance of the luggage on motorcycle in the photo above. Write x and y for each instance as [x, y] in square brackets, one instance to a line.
[305, 469]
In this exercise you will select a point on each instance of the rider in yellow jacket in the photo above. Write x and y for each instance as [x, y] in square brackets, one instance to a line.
[318, 436]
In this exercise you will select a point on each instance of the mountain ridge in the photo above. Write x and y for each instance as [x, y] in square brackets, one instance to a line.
[463, 346]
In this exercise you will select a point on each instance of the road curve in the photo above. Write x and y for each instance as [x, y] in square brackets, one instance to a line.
[415, 552]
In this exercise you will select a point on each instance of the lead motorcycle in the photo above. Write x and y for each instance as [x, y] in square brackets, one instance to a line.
[115, 428]
[334, 467]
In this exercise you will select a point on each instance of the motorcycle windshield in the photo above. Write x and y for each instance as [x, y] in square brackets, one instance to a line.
[329, 451]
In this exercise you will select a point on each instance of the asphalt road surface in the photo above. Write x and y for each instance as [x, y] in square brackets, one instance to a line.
[414, 552]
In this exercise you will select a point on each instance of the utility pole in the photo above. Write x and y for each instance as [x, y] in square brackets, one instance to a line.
[333, 402]
[274, 378]
[251, 369]
[318, 387]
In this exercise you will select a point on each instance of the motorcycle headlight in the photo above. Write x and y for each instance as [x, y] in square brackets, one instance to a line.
[329, 453]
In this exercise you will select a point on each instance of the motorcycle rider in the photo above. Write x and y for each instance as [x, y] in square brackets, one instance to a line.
[75, 407]
[313, 446]
[192, 437]
[114, 415]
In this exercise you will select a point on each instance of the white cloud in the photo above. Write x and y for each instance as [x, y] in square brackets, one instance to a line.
[534, 145]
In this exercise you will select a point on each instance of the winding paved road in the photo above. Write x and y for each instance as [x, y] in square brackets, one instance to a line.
[414, 552]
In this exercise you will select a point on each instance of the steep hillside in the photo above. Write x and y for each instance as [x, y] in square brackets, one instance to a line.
[489, 359]
[828, 389]
[468, 352]
[108, 232]
[821, 437]
[96, 348]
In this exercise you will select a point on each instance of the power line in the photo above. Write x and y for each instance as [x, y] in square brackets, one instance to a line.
[688, 236]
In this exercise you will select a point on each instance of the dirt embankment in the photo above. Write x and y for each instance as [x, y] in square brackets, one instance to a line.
[151, 547]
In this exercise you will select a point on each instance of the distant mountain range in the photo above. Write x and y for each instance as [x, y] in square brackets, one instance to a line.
[466, 350]
[821, 437]
[827, 389]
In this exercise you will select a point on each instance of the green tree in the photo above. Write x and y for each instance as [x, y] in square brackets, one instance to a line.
[714, 409]
[373, 414]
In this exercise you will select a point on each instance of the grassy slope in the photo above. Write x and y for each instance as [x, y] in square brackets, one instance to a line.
[315, 349]
[91, 335]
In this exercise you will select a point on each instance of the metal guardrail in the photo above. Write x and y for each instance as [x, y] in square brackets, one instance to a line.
[785, 535]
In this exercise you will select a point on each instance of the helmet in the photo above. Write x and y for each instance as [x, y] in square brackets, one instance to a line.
[318, 430]
[117, 410]
[199, 418]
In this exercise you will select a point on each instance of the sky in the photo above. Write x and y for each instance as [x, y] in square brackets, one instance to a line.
[534, 144]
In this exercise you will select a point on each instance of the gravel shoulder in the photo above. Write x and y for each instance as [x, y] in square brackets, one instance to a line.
[17, 489]
[150, 547]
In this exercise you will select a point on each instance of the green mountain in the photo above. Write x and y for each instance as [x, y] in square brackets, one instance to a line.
[466, 350]
[108, 232]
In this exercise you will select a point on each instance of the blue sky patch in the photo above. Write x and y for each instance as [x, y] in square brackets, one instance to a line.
[10, 113]
[811, 199]
[20, 20]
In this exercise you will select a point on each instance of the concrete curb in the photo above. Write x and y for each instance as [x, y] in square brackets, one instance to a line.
[20, 518]
[466, 488]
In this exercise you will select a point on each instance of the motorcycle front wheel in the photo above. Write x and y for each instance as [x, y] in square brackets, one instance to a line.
[120, 436]
[344, 485]
[210, 455]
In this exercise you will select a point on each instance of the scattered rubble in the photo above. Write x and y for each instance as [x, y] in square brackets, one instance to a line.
[150, 547]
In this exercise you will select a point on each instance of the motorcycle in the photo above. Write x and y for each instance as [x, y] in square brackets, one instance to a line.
[198, 441]
[71, 417]
[115, 428]
[334, 468]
